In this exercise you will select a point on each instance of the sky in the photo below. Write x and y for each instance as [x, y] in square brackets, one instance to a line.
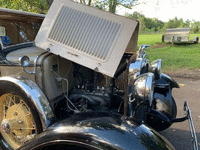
[165, 9]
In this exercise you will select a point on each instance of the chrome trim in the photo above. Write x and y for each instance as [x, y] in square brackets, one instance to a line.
[141, 52]
[156, 68]
[37, 97]
[1, 44]
[5, 47]
[135, 68]
[143, 88]
[24, 62]
[191, 124]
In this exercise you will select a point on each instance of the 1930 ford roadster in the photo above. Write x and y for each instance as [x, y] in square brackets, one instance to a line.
[80, 84]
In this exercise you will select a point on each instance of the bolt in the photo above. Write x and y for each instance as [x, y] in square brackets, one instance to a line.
[96, 69]
[20, 122]
[48, 49]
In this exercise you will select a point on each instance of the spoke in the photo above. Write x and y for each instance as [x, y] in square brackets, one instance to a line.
[9, 101]
[20, 104]
[4, 116]
[14, 99]
[24, 128]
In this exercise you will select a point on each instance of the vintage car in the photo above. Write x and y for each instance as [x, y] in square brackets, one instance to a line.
[73, 80]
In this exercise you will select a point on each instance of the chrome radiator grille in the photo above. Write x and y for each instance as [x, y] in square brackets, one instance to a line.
[84, 32]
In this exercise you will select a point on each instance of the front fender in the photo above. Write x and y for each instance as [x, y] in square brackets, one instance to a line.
[100, 130]
[165, 79]
[37, 97]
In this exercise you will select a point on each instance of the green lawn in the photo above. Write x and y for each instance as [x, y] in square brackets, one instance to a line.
[174, 57]
[149, 39]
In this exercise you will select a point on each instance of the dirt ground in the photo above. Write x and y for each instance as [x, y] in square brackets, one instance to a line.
[184, 73]
[179, 134]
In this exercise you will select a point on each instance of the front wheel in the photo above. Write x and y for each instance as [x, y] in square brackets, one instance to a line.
[19, 121]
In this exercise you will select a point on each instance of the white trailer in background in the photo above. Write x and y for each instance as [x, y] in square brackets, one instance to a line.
[178, 35]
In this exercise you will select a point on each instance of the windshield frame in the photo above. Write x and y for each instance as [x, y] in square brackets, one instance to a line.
[25, 19]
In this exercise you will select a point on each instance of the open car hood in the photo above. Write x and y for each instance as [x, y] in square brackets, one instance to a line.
[87, 36]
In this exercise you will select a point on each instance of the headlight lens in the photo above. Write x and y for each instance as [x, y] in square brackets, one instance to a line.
[144, 87]
[156, 68]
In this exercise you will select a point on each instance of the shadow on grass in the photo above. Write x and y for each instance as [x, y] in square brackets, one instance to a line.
[180, 139]
[185, 44]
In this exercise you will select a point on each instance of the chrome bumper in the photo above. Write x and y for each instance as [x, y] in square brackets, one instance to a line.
[191, 124]
[188, 117]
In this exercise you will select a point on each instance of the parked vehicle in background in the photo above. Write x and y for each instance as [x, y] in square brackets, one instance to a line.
[178, 35]
[81, 83]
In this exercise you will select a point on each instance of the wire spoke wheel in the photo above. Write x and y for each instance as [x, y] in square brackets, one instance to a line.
[19, 121]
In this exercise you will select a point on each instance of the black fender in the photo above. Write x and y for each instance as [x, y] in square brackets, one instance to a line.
[166, 94]
[165, 79]
[100, 130]
[164, 103]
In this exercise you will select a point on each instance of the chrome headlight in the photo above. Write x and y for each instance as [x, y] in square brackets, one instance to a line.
[144, 88]
[156, 68]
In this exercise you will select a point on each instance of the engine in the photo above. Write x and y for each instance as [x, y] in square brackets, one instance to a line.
[96, 93]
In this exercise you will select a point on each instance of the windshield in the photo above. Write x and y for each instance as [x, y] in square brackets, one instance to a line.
[18, 28]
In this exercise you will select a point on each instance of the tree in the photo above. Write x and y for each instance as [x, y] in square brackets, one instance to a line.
[147, 24]
[38, 6]
[135, 15]
[195, 27]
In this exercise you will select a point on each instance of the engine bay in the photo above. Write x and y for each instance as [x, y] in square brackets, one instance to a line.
[85, 90]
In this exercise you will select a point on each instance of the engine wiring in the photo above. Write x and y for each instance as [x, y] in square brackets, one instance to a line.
[59, 78]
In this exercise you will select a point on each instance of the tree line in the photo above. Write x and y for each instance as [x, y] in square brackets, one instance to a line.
[155, 25]
[146, 24]
[41, 6]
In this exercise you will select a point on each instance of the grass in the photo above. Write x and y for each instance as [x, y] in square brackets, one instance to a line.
[184, 55]
[149, 39]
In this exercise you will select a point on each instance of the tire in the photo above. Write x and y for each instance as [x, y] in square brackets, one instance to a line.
[163, 40]
[19, 120]
[196, 41]
[174, 109]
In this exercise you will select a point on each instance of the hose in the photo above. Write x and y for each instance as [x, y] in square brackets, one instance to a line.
[91, 99]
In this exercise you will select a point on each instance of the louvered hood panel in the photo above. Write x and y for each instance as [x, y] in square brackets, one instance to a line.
[87, 36]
